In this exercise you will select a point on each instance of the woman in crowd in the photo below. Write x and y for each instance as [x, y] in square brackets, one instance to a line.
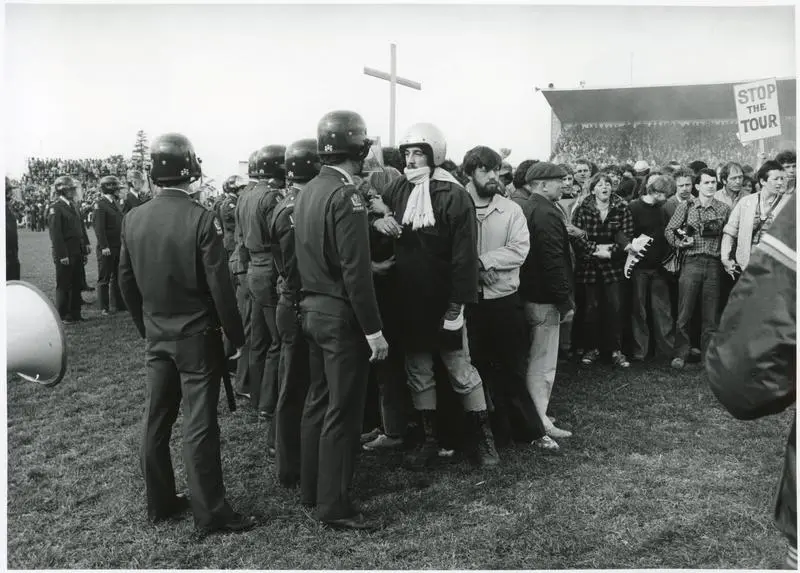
[609, 226]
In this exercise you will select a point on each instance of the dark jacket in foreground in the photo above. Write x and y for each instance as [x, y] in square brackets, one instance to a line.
[546, 276]
[751, 361]
[107, 224]
[173, 270]
[67, 232]
[435, 265]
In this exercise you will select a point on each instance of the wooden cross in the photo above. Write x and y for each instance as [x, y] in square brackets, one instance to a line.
[393, 80]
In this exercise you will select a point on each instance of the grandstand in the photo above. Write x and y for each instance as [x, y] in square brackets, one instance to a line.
[659, 123]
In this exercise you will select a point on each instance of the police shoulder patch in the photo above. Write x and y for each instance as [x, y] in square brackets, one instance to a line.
[358, 204]
[52, 211]
[218, 226]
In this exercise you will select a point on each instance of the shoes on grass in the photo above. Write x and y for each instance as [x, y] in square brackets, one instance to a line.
[369, 436]
[618, 359]
[546, 443]
[590, 357]
[383, 442]
[678, 363]
[558, 433]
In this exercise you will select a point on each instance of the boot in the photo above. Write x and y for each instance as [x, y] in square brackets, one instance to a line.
[102, 297]
[428, 449]
[484, 451]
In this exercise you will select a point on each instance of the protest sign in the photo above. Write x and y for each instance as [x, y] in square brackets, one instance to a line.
[757, 110]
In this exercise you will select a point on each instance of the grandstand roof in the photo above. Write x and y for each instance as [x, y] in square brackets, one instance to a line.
[657, 103]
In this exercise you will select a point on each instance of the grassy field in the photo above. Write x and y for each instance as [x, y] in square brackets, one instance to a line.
[656, 476]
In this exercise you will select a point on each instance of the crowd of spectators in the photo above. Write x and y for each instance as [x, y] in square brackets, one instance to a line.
[659, 143]
[43, 171]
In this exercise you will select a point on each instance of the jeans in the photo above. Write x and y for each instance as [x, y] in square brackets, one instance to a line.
[603, 319]
[651, 296]
[544, 320]
[700, 275]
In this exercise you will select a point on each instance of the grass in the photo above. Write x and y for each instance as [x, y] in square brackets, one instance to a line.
[657, 475]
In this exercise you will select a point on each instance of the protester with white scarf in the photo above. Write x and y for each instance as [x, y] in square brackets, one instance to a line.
[433, 219]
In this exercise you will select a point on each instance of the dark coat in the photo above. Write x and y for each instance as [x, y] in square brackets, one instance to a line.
[435, 265]
[173, 270]
[67, 232]
[751, 361]
[130, 202]
[107, 224]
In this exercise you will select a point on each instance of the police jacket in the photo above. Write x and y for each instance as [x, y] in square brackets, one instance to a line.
[436, 265]
[226, 211]
[12, 238]
[751, 360]
[107, 223]
[283, 252]
[254, 213]
[173, 270]
[332, 245]
[546, 275]
[67, 232]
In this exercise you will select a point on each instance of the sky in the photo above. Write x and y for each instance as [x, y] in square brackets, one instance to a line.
[81, 80]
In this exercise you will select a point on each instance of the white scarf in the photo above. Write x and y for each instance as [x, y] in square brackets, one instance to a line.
[419, 210]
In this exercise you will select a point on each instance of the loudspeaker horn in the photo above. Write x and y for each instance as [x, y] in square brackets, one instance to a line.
[37, 347]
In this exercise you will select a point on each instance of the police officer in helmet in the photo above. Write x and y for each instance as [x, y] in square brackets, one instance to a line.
[107, 228]
[302, 165]
[340, 318]
[180, 309]
[255, 215]
[70, 244]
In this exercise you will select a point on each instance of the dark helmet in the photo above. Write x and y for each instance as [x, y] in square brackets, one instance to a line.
[302, 160]
[269, 162]
[252, 167]
[110, 184]
[343, 133]
[64, 183]
[173, 160]
[233, 184]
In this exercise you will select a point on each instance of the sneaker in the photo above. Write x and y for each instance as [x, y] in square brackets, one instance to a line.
[590, 356]
[546, 443]
[618, 358]
[105, 312]
[558, 433]
[383, 442]
[445, 453]
[678, 363]
[369, 436]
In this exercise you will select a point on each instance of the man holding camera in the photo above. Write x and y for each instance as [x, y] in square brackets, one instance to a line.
[696, 229]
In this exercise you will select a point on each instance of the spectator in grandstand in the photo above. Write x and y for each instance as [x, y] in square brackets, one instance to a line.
[520, 193]
[696, 227]
[683, 190]
[731, 176]
[650, 288]
[788, 159]
[609, 226]
[751, 217]
[582, 172]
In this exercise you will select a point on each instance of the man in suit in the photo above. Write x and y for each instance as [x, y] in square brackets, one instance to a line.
[135, 195]
[107, 229]
[175, 281]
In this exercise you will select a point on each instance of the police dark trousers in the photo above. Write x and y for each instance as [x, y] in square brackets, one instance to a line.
[107, 284]
[107, 229]
[174, 279]
[242, 382]
[338, 309]
[331, 427]
[265, 342]
[68, 237]
[294, 382]
[498, 345]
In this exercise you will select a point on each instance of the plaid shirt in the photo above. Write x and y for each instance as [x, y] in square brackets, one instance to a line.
[617, 229]
[713, 216]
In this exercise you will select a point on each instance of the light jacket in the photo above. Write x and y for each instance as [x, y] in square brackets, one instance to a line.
[740, 228]
[503, 244]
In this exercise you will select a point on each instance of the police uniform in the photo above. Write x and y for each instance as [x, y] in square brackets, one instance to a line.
[107, 229]
[293, 368]
[179, 308]
[69, 240]
[226, 211]
[255, 212]
[338, 309]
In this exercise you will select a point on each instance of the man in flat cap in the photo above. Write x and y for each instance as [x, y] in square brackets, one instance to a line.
[546, 284]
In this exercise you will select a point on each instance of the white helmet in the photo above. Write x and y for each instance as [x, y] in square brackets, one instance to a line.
[426, 134]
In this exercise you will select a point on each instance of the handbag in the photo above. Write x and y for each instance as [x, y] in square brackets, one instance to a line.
[673, 262]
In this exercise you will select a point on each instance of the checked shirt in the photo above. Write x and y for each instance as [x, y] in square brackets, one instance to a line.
[617, 229]
[714, 214]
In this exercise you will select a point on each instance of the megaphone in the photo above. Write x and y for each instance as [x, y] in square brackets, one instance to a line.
[37, 347]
